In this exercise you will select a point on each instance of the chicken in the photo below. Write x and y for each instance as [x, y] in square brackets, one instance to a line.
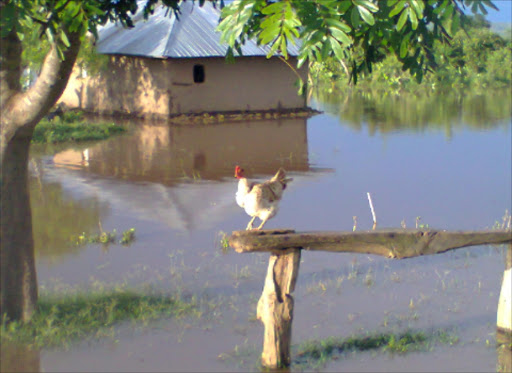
[260, 200]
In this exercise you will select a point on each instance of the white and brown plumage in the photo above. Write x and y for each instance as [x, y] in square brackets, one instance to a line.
[260, 200]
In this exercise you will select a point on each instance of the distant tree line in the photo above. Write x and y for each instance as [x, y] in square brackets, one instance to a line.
[476, 58]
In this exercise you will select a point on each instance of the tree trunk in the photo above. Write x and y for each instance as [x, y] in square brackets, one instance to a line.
[18, 282]
[19, 114]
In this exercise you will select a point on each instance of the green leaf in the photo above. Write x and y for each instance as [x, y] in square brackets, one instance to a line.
[293, 30]
[354, 16]
[474, 7]
[401, 21]
[301, 89]
[338, 24]
[482, 9]
[343, 6]
[284, 47]
[366, 15]
[337, 49]
[397, 9]
[60, 53]
[273, 8]
[274, 47]
[404, 47]
[301, 60]
[418, 6]
[269, 34]
[269, 22]
[414, 20]
[49, 35]
[455, 24]
[341, 36]
[315, 37]
[64, 38]
[367, 5]
[326, 48]
[73, 9]
[447, 14]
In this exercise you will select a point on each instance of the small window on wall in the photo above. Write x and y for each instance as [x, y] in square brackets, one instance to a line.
[198, 73]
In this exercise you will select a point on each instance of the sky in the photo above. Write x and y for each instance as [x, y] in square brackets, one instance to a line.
[504, 14]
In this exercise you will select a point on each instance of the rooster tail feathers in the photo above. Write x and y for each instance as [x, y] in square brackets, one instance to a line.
[280, 175]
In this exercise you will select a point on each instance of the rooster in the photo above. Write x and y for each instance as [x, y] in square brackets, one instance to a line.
[260, 200]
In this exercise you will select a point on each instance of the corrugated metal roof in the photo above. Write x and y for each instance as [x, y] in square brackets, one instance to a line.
[163, 36]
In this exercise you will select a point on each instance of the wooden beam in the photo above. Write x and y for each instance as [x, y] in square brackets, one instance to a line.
[393, 243]
[275, 306]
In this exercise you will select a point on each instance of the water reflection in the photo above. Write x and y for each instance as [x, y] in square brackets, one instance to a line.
[166, 159]
[58, 217]
[416, 113]
[17, 358]
[169, 154]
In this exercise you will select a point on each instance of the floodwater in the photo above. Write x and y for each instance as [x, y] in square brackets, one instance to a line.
[446, 160]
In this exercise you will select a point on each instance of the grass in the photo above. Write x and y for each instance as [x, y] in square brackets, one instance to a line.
[314, 355]
[61, 320]
[106, 237]
[224, 242]
[71, 126]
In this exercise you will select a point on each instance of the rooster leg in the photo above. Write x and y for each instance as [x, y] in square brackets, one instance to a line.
[249, 226]
[262, 223]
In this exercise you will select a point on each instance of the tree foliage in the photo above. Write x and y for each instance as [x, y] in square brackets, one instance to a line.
[476, 58]
[357, 33]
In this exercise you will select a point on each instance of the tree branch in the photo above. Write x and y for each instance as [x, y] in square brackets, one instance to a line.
[21, 111]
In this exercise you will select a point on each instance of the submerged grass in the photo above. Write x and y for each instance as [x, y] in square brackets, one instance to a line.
[314, 355]
[59, 321]
[71, 126]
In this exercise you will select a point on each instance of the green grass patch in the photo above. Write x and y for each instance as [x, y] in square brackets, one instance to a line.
[71, 126]
[59, 321]
[314, 355]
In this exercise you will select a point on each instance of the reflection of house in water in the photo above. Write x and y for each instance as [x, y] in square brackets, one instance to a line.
[164, 154]
[149, 171]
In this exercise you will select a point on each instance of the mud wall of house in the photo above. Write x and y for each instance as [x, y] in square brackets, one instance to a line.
[147, 87]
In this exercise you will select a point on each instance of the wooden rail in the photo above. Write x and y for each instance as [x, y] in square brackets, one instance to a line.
[275, 306]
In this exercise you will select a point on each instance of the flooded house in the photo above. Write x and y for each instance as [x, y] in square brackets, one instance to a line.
[167, 66]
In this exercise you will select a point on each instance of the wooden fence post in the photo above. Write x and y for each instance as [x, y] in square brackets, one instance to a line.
[275, 307]
[504, 322]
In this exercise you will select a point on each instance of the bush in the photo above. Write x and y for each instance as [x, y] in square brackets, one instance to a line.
[71, 126]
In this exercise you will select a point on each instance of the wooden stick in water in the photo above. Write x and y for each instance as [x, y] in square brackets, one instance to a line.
[373, 211]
